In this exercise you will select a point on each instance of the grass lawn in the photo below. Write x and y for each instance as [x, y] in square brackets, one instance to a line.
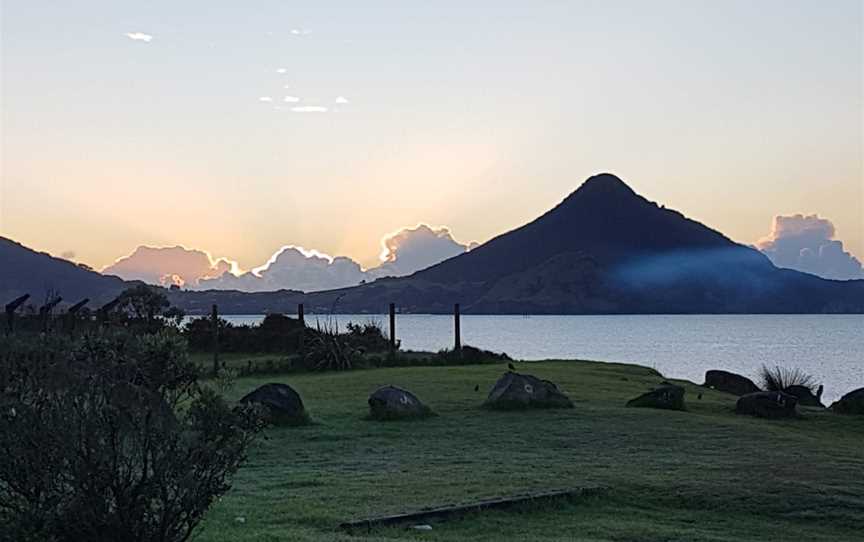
[704, 475]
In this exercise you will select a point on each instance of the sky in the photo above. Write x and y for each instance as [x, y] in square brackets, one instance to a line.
[203, 124]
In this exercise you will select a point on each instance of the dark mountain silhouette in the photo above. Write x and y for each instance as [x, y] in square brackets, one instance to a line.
[25, 271]
[604, 218]
[603, 250]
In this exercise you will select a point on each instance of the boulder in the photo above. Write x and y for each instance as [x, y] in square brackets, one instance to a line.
[805, 395]
[392, 403]
[518, 391]
[851, 403]
[666, 396]
[768, 404]
[283, 404]
[729, 382]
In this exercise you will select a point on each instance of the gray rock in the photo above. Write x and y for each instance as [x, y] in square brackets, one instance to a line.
[805, 395]
[666, 396]
[283, 404]
[851, 403]
[392, 403]
[729, 382]
[518, 391]
[768, 404]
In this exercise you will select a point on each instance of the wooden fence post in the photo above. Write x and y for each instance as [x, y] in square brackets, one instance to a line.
[392, 329]
[214, 319]
[11, 307]
[457, 346]
[301, 316]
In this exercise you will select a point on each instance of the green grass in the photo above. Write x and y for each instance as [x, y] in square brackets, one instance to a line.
[705, 474]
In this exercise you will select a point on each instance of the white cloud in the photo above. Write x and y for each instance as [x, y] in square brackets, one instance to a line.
[300, 32]
[291, 99]
[412, 249]
[293, 268]
[807, 243]
[281, 70]
[309, 109]
[265, 99]
[139, 36]
[170, 265]
[296, 268]
[341, 100]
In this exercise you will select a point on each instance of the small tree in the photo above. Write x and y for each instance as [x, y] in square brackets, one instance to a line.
[144, 303]
[112, 437]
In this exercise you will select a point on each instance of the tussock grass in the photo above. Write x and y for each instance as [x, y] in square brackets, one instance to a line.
[781, 378]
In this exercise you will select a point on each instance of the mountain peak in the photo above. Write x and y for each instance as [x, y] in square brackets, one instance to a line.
[605, 184]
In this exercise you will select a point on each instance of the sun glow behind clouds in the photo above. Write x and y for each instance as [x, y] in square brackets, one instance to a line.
[308, 253]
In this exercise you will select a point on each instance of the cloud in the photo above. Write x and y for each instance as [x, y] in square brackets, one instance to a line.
[293, 268]
[265, 99]
[139, 36]
[291, 99]
[341, 100]
[309, 109]
[300, 32]
[807, 243]
[170, 265]
[281, 70]
[412, 249]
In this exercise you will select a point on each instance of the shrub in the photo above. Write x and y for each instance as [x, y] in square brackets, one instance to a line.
[470, 355]
[368, 337]
[111, 437]
[327, 350]
[780, 378]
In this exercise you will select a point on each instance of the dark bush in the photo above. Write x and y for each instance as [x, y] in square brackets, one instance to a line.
[368, 337]
[275, 334]
[111, 437]
[471, 355]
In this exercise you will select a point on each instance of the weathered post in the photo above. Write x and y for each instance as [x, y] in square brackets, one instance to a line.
[214, 319]
[72, 313]
[104, 311]
[45, 313]
[457, 346]
[392, 329]
[301, 316]
[10, 312]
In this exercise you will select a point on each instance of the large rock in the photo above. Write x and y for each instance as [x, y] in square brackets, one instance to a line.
[805, 395]
[666, 396]
[518, 391]
[283, 404]
[729, 382]
[851, 403]
[392, 403]
[768, 404]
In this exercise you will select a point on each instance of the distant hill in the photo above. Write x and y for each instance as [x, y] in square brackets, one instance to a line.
[25, 271]
[603, 250]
